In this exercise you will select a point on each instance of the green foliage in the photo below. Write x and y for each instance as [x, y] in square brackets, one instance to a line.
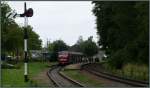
[59, 45]
[78, 45]
[136, 71]
[56, 46]
[88, 47]
[12, 34]
[131, 71]
[34, 41]
[123, 31]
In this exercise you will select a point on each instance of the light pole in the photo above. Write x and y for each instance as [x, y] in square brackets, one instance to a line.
[26, 14]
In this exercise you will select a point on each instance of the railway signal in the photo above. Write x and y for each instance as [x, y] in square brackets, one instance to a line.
[27, 13]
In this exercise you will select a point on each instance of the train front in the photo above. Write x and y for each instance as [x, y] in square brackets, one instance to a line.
[63, 58]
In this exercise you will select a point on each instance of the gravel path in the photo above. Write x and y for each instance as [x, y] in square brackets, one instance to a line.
[43, 80]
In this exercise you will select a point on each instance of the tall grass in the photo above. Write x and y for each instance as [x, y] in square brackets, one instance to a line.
[136, 71]
[132, 71]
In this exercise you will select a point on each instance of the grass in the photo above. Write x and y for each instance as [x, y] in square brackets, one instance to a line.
[82, 78]
[15, 77]
[12, 78]
[132, 71]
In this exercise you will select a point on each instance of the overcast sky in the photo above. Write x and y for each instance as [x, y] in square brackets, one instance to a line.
[66, 20]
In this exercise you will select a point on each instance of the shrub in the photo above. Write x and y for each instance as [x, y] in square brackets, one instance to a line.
[136, 71]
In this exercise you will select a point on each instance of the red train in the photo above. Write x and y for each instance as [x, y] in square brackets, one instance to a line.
[68, 57]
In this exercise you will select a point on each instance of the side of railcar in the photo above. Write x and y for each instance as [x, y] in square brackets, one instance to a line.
[66, 57]
[75, 58]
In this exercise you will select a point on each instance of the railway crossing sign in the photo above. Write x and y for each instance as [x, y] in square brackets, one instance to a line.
[27, 13]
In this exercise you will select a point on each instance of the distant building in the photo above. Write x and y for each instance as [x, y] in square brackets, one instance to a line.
[99, 55]
[36, 54]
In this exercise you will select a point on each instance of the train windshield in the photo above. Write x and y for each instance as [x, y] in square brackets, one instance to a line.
[63, 55]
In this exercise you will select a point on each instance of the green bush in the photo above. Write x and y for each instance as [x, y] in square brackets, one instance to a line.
[132, 71]
[136, 71]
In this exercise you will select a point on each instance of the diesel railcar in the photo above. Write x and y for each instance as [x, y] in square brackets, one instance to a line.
[69, 57]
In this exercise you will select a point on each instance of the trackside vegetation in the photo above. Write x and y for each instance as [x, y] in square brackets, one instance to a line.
[131, 71]
[123, 28]
[82, 78]
[12, 35]
[15, 77]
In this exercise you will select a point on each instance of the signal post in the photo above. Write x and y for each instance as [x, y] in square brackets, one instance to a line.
[27, 13]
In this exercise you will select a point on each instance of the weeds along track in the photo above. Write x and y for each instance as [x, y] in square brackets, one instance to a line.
[59, 80]
[109, 76]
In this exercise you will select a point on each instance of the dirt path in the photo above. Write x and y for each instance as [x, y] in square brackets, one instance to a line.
[43, 80]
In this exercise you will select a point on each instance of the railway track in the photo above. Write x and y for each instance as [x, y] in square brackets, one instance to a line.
[59, 80]
[130, 82]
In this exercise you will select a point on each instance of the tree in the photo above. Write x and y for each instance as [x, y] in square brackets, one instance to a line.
[14, 38]
[12, 34]
[77, 46]
[80, 40]
[89, 47]
[4, 24]
[59, 45]
[123, 30]
[56, 46]
[50, 47]
[34, 42]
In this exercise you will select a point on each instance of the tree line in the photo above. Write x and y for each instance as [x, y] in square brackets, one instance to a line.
[123, 29]
[12, 35]
[87, 47]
